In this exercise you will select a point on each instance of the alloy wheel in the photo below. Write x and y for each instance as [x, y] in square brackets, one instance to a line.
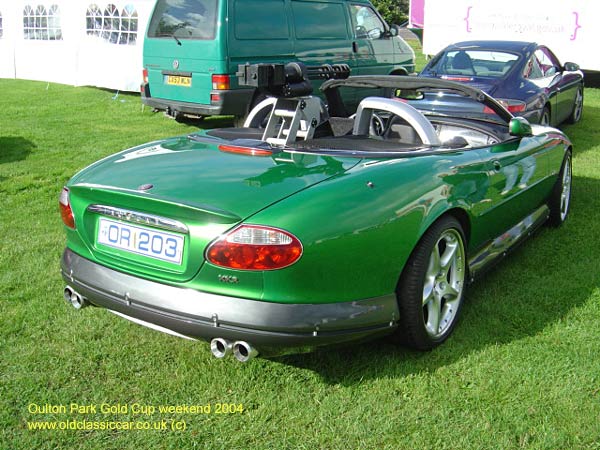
[444, 283]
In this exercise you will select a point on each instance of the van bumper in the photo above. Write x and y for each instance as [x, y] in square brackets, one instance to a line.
[269, 326]
[232, 102]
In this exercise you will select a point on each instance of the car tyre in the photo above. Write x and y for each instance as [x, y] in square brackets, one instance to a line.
[560, 198]
[577, 107]
[431, 288]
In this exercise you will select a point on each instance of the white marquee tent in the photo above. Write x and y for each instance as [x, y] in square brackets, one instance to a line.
[78, 42]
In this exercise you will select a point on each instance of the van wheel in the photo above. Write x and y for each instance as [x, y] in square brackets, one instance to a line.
[238, 121]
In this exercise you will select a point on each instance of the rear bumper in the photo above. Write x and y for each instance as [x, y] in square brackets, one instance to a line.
[202, 315]
[233, 102]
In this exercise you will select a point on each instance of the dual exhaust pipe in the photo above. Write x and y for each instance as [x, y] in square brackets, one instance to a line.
[242, 351]
[73, 298]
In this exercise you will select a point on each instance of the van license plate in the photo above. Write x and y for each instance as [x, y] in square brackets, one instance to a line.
[179, 80]
[141, 241]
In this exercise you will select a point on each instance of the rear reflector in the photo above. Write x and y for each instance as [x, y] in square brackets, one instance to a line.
[220, 82]
[145, 76]
[245, 150]
[254, 247]
[65, 209]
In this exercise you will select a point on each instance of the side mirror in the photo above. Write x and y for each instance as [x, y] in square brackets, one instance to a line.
[571, 67]
[520, 127]
[394, 30]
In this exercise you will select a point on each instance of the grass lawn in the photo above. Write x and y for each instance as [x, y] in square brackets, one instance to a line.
[521, 371]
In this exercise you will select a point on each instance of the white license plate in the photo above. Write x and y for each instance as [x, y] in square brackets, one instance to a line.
[142, 241]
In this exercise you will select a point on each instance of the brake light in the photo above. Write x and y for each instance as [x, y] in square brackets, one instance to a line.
[254, 247]
[513, 106]
[220, 82]
[244, 150]
[65, 209]
[145, 76]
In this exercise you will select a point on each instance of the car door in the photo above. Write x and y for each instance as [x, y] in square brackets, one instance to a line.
[546, 72]
[372, 45]
[565, 83]
[516, 170]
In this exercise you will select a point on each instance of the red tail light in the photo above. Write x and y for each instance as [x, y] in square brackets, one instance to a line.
[145, 76]
[513, 106]
[220, 82]
[65, 209]
[253, 247]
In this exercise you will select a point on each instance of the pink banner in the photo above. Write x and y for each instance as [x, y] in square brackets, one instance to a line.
[416, 14]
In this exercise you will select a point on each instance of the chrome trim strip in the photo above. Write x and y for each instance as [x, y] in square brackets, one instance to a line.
[139, 218]
[498, 247]
[152, 326]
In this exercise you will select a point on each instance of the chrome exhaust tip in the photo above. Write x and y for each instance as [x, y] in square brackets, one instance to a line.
[220, 348]
[243, 351]
[67, 294]
[74, 299]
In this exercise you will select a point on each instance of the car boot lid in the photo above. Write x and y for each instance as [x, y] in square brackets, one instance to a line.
[195, 173]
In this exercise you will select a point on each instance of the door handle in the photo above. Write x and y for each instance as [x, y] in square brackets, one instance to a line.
[354, 47]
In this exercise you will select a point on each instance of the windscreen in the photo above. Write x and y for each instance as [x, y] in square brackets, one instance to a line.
[184, 19]
[479, 63]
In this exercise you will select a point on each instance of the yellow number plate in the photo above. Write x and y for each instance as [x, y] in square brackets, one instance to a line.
[179, 81]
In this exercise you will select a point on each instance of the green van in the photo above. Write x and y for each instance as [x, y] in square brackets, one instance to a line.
[193, 48]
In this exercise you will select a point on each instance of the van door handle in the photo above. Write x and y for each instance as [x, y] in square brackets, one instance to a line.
[354, 47]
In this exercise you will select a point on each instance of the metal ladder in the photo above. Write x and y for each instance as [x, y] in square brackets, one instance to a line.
[291, 119]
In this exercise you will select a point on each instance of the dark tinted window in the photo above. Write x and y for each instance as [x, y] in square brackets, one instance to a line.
[260, 19]
[316, 20]
[184, 19]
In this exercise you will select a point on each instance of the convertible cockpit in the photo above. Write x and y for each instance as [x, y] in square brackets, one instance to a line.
[405, 116]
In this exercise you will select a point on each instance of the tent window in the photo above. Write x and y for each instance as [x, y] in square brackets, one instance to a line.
[111, 25]
[41, 23]
[93, 21]
[129, 25]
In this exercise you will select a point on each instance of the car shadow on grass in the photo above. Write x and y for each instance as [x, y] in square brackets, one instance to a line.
[533, 288]
[14, 148]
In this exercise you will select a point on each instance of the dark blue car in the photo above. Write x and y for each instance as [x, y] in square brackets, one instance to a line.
[526, 77]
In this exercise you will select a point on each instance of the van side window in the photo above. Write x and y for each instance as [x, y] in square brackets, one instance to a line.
[270, 23]
[318, 20]
[366, 22]
[190, 19]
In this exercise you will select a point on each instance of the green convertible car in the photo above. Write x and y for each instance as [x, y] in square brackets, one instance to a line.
[313, 225]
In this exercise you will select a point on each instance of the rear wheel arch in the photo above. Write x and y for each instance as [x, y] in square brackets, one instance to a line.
[458, 213]
[547, 108]
[399, 72]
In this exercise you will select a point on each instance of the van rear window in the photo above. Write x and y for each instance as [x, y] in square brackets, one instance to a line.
[184, 19]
